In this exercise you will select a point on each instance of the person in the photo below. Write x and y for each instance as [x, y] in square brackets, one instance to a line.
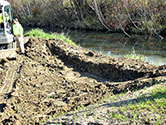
[1, 16]
[1, 19]
[18, 33]
[6, 16]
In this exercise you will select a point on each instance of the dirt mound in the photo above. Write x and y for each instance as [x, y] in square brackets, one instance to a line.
[54, 77]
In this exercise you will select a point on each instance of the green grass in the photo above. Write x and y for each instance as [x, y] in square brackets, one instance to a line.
[151, 109]
[39, 33]
[134, 56]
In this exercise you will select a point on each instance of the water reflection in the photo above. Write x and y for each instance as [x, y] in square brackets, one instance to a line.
[155, 60]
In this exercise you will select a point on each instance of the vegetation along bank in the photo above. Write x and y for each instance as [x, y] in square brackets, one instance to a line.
[128, 16]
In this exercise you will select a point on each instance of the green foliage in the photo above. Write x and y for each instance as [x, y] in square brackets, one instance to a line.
[134, 56]
[155, 105]
[41, 34]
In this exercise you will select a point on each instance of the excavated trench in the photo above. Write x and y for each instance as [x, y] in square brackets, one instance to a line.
[103, 66]
[55, 77]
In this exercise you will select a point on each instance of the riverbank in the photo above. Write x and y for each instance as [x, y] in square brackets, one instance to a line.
[148, 48]
[54, 77]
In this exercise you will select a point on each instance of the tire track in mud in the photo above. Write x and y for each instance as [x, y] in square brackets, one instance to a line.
[10, 80]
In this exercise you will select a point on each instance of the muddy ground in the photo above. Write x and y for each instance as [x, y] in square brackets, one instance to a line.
[53, 77]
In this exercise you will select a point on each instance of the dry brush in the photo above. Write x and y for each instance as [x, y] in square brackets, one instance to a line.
[147, 16]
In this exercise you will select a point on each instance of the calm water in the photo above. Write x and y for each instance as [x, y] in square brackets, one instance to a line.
[118, 45]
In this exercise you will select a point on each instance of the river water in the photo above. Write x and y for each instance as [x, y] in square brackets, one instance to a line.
[153, 49]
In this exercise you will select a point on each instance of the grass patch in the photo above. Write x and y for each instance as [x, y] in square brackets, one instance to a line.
[151, 109]
[134, 56]
[39, 33]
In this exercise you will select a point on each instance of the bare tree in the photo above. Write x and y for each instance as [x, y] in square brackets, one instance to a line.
[146, 16]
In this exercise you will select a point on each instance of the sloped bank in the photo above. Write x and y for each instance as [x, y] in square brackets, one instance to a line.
[116, 74]
[104, 66]
[56, 77]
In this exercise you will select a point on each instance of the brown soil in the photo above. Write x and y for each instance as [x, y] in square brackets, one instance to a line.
[54, 77]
